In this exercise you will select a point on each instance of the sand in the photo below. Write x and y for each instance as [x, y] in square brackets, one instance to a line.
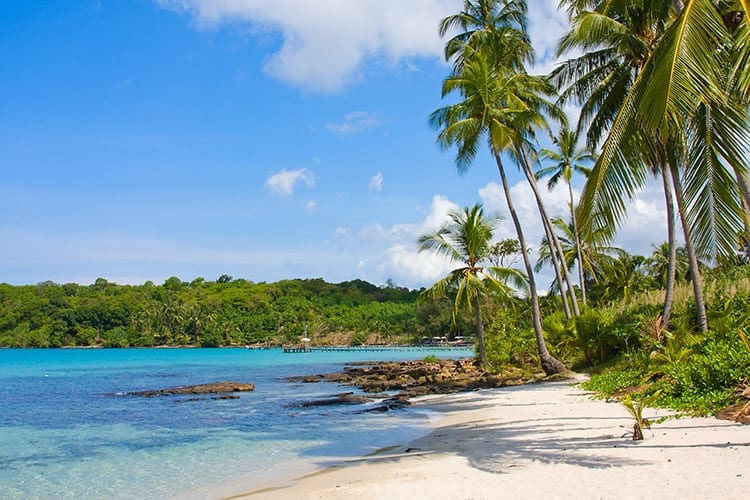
[548, 440]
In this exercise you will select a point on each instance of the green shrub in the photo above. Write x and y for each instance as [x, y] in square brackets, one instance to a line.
[431, 358]
[506, 344]
[359, 338]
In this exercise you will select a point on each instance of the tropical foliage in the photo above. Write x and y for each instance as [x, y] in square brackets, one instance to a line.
[466, 240]
[204, 313]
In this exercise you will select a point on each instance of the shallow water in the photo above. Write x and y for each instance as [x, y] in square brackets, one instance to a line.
[66, 430]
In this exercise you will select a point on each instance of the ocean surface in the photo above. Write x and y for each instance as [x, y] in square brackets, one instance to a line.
[68, 431]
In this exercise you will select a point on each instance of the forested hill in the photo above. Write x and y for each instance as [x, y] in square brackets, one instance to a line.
[206, 313]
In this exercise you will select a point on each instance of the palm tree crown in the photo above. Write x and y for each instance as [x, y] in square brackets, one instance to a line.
[466, 238]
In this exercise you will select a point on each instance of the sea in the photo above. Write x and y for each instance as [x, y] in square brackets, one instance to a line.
[68, 429]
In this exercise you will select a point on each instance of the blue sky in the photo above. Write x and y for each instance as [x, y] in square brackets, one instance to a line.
[144, 139]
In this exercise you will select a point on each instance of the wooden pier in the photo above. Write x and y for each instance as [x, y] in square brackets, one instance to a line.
[306, 348]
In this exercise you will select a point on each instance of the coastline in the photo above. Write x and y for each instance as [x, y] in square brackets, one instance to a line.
[549, 439]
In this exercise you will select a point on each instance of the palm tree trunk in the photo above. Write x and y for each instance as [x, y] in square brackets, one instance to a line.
[695, 274]
[554, 241]
[577, 237]
[744, 183]
[672, 245]
[480, 334]
[549, 363]
[554, 257]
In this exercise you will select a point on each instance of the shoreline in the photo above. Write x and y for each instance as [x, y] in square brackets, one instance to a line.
[547, 439]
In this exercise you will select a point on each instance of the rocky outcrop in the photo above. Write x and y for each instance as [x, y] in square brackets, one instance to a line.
[345, 398]
[414, 378]
[212, 388]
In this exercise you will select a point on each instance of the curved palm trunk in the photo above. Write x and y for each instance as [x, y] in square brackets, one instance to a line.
[550, 364]
[480, 334]
[744, 183]
[695, 274]
[555, 258]
[672, 243]
[577, 238]
[554, 241]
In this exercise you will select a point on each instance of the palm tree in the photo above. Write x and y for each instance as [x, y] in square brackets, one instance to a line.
[498, 106]
[498, 29]
[642, 104]
[569, 159]
[466, 238]
[595, 256]
[660, 261]
[492, 26]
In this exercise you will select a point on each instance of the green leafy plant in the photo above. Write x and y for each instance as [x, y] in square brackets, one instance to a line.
[635, 406]
[431, 358]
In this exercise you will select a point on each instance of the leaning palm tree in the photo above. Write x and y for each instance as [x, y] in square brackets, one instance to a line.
[594, 254]
[498, 29]
[497, 107]
[617, 39]
[466, 239]
[569, 159]
[642, 84]
[694, 85]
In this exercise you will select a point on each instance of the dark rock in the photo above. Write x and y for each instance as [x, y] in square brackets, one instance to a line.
[346, 398]
[212, 388]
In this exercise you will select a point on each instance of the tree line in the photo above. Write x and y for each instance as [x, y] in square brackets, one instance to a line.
[225, 312]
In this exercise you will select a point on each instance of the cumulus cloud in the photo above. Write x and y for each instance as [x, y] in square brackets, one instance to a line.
[547, 24]
[399, 257]
[357, 121]
[376, 183]
[556, 203]
[325, 43]
[343, 232]
[646, 222]
[284, 181]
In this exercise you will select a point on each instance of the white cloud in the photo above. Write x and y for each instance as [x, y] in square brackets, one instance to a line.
[555, 201]
[325, 42]
[354, 122]
[547, 24]
[394, 248]
[311, 206]
[376, 183]
[646, 222]
[283, 182]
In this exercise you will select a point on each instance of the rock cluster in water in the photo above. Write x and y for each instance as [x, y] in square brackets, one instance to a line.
[414, 378]
[199, 389]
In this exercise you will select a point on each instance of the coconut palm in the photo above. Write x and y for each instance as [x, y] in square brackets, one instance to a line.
[466, 239]
[660, 261]
[498, 25]
[594, 254]
[689, 147]
[497, 107]
[497, 29]
[617, 39]
[569, 159]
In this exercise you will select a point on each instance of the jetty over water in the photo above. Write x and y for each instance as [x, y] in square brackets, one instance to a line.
[306, 348]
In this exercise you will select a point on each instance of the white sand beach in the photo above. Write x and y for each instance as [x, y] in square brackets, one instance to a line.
[548, 440]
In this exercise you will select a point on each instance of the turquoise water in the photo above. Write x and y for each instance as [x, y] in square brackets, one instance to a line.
[67, 430]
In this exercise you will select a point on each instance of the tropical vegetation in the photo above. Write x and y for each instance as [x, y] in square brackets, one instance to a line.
[466, 239]
[663, 91]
